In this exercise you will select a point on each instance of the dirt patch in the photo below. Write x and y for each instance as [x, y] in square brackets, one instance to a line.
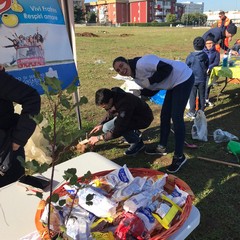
[86, 34]
[125, 35]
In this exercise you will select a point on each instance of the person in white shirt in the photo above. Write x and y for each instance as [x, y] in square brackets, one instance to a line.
[154, 73]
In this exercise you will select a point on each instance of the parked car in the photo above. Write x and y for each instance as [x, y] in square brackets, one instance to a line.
[179, 25]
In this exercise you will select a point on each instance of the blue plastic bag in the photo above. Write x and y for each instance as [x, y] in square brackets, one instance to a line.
[158, 98]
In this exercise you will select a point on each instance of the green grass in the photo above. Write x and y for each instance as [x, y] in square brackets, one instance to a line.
[216, 186]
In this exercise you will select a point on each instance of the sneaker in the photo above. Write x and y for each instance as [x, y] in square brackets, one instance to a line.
[177, 162]
[134, 148]
[159, 150]
[208, 103]
[190, 115]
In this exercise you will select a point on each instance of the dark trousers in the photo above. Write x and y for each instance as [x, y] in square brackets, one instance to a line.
[16, 170]
[173, 108]
[199, 90]
[208, 89]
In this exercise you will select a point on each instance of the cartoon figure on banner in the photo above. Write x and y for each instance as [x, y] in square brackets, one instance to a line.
[29, 49]
[10, 20]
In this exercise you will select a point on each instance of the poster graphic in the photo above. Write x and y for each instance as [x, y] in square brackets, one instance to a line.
[33, 35]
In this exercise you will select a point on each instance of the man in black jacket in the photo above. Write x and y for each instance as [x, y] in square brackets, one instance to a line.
[20, 126]
[126, 114]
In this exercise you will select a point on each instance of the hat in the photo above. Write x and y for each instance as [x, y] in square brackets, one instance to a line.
[198, 43]
[210, 37]
[232, 28]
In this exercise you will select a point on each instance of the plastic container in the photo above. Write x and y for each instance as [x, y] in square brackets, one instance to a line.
[234, 148]
[225, 61]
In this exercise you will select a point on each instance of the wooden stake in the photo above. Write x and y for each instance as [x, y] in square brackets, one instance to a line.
[218, 161]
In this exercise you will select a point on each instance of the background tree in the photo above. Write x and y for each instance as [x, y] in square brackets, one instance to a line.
[171, 18]
[91, 17]
[78, 14]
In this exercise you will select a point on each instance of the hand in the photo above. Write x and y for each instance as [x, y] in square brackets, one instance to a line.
[15, 146]
[96, 129]
[235, 53]
[1, 67]
[93, 140]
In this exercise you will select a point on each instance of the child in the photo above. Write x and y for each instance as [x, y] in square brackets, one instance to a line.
[236, 47]
[214, 59]
[198, 62]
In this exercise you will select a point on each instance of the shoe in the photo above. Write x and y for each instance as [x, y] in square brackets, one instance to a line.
[190, 115]
[208, 103]
[177, 162]
[134, 148]
[159, 150]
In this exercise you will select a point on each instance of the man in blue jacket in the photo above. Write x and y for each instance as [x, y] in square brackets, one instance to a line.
[220, 34]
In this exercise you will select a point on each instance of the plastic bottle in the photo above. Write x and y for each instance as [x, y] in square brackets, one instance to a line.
[225, 60]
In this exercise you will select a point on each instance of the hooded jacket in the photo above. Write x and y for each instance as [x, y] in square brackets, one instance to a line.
[198, 62]
[218, 36]
[213, 56]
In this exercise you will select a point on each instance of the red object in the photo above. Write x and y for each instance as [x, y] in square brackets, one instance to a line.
[130, 226]
[5, 4]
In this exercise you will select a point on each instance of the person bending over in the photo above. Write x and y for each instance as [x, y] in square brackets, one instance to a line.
[155, 73]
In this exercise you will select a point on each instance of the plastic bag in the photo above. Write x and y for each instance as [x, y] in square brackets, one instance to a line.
[158, 98]
[199, 128]
[223, 136]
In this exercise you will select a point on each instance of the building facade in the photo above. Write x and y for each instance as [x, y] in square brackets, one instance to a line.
[133, 11]
[190, 7]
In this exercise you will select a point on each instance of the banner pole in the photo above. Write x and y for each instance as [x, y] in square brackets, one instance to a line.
[68, 13]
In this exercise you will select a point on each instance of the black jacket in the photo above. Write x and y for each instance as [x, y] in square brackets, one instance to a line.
[132, 113]
[13, 90]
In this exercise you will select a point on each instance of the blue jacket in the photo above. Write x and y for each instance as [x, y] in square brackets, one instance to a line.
[198, 62]
[218, 36]
[213, 56]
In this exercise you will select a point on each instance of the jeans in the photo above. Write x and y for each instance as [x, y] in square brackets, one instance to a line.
[173, 108]
[200, 89]
[130, 136]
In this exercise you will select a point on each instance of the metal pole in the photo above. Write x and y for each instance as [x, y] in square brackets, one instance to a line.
[68, 12]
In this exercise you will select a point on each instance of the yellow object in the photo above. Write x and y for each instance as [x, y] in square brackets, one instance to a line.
[171, 214]
[94, 224]
[228, 72]
[16, 7]
[10, 20]
[103, 236]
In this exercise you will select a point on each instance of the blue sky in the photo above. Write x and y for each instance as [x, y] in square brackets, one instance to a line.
[215, 5]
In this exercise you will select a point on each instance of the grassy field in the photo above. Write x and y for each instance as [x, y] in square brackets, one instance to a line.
[216, 186]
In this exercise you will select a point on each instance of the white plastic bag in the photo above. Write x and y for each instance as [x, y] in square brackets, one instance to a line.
[223, 136]
[199, 128]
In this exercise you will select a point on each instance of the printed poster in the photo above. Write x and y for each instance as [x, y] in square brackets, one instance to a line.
[33, 35]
